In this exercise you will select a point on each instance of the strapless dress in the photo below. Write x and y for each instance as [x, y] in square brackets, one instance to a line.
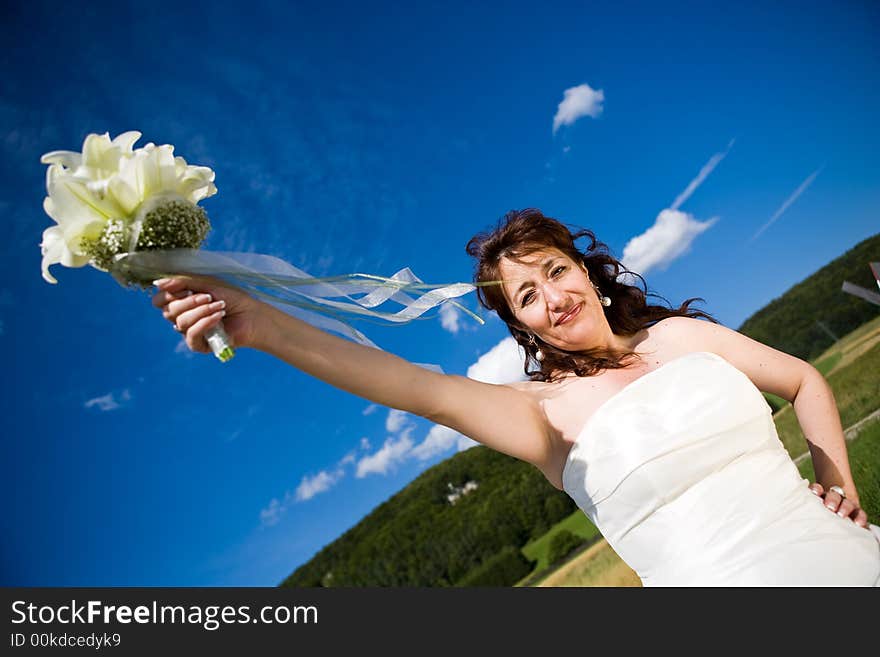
[684, 475]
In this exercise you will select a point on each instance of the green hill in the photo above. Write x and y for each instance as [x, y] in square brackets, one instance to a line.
[419, 538]
[791, 323]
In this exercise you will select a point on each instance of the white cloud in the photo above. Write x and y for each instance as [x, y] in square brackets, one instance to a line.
[272, 513]
[670, 237]
[308, 487]
[577, 102]
[439, 439]
[182, 348]
[369, 410]
[108, 402]
[396, 420]
[704, 173]
[791, 199]
[449, 316]
[319, 483]
[391, 453]
[503, 363]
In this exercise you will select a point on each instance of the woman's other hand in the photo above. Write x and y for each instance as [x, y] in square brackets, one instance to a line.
[195, 304]
[842, 506]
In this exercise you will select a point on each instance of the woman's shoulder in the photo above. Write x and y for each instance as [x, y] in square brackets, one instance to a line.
[679, 335]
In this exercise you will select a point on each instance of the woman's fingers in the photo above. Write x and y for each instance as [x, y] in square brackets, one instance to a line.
[833, 500]
[173, 284]
[846, 508]
[861, 518]
[194, 308]
[841, 506]
[162, 298]
[195, 335]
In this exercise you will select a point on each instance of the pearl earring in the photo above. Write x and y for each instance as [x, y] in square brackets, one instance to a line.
[539, 355]
[604, 300]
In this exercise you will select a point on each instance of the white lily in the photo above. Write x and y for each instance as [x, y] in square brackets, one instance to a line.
[110, 182]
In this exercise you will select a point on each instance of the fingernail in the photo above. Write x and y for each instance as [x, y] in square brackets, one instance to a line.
[204, 298]
[840, 513]
[830, 506]
[814, 492]
[218, 304]
[159, 282]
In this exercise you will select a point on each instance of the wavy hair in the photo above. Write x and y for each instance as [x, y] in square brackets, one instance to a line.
[522, 232]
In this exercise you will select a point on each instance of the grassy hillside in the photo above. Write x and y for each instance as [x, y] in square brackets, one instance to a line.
[791, 323]
[419, 538]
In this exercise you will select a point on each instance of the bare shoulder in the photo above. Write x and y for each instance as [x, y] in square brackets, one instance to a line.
[674, 329]
[771, 370]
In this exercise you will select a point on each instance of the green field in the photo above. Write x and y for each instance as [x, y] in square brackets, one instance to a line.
[576, 523]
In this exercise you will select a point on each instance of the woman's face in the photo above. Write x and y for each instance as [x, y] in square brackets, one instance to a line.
[551, 295]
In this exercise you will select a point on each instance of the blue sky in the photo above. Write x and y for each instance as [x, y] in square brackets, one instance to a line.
[726, 153]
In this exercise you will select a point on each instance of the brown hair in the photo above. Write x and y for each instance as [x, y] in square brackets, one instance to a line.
[521, 232]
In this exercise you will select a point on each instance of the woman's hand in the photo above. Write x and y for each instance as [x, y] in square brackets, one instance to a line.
[842, 506]
[195, 304]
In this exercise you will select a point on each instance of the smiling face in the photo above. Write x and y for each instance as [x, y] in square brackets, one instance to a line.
[552, 297]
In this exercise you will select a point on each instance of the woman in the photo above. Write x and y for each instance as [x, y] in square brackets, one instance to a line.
[650, 419]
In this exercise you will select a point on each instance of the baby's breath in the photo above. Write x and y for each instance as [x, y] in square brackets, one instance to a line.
[171, 225]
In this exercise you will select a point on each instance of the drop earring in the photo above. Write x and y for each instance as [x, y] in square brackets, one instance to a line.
[604, 300]
[539, 355]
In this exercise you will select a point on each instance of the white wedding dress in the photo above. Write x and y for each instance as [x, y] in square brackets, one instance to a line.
[683, 473]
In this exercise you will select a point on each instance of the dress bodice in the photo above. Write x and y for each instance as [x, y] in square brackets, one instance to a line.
[683, 473]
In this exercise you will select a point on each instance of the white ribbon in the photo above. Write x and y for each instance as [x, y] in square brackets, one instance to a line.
[322, 302]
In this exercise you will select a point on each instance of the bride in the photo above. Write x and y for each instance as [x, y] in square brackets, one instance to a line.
[650, 418]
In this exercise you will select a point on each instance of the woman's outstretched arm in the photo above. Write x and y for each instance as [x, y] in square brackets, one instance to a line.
[499, 416]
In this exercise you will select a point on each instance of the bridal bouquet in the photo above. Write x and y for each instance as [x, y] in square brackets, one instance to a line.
[112, 200]
[134, 213]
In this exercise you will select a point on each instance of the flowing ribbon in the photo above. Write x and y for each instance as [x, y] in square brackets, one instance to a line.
[324, 302]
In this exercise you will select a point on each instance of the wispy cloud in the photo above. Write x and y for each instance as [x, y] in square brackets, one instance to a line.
[577, 102]
[109, 401]
[182, 348]
[392, 452]
[791, 199]
[369, 410]
[670, 237]
[704, 173]
[319, 483]
[309, 486]
[449, 316]
[396, 420]
[673, 231]
[440, 439]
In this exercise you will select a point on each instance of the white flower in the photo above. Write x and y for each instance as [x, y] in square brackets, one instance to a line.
[110, 181]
